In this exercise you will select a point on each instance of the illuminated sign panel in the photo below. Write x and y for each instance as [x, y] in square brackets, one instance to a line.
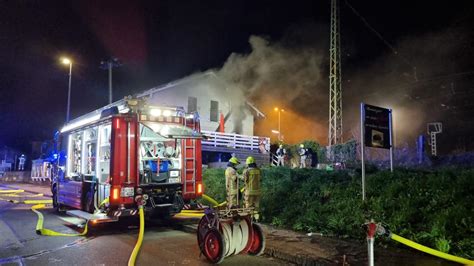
[377, 126]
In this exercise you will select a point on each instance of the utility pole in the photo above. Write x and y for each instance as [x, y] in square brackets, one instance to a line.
[335, 91]
[109, 64]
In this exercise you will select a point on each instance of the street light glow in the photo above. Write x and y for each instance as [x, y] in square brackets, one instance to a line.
[279, 122]
[66, 61]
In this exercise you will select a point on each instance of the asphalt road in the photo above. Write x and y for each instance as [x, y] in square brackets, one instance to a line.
[165, 243]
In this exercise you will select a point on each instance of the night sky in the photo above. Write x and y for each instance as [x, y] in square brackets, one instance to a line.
[161, 41]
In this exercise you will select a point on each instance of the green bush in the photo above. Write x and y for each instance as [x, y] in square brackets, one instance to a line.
[432, 208]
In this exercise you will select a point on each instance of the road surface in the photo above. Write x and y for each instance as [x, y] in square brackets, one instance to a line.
[165, 243]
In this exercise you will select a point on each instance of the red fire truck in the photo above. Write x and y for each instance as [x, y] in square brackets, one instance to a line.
[125, 152]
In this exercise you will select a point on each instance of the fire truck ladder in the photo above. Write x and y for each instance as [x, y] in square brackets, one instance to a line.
[189, 170]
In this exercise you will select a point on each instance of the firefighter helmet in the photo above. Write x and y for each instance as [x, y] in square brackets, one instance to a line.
[281, 146]
[234, 160]
[301, 145]
[250, 160]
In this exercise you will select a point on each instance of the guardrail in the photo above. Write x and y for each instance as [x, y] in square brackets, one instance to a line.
[236, 141]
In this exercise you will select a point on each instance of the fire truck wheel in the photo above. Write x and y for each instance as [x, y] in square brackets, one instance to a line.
[258, 241]
[214, 246]
[89, 202]
[56, 205]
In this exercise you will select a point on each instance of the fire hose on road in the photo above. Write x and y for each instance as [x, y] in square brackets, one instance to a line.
[37, 205]
[141, 233]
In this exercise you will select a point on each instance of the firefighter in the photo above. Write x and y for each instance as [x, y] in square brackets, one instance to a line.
[21, 164]
[232, 182]
[302, 153]
[252, 178]
[281, 152]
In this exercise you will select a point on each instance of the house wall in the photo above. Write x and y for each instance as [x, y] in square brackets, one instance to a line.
[207, 88]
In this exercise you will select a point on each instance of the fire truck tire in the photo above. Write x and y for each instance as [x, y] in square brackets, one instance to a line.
[214, 246]
[258, 241]
[56, 205]
[89, 202]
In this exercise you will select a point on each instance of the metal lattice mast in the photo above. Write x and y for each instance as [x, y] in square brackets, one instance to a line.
[335, 91]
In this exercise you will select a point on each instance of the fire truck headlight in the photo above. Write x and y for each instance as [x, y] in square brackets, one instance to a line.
[155, 112]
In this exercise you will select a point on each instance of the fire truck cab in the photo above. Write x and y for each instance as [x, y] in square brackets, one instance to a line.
[126, 152]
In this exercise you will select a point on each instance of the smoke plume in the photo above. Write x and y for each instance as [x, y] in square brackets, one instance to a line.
[275, 75]
[293, 74]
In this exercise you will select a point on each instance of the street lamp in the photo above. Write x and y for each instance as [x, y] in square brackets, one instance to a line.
[109, 64]
[68, 61]
[279, 121]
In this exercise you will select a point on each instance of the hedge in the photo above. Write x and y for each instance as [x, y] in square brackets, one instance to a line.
[434, 208]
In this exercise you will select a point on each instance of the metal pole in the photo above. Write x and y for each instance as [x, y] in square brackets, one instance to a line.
[371, 231]
[362, 146]
[279, 129]
[110, 82]
[391, 139]
[69, 94]
[370, 246]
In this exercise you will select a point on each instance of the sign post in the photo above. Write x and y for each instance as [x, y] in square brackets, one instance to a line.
[391, 139]
[362, 147]
[376, 132]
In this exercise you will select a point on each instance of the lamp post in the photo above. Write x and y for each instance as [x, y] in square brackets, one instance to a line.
[279, 121]
[68, 61]
[109, 64]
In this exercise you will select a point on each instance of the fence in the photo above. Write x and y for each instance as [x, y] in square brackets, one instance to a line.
[236, 141]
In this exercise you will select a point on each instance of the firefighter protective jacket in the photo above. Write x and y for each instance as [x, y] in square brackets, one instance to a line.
[231, 179]
[252, 176]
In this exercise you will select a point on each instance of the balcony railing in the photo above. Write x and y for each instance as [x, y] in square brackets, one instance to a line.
[236, 141]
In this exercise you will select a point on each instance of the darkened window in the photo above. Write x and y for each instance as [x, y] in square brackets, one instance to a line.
[214, 111]
[192, 104]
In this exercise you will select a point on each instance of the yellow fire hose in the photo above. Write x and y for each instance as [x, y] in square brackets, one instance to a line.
[11, 191]
[430, 250]
[136, 249]
[210, 200]
[37, 205]
[213, 201]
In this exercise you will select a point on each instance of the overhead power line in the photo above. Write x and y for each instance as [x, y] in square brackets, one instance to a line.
[391, 47]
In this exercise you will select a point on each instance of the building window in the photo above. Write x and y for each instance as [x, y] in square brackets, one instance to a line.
[192, 104]
[214, 111]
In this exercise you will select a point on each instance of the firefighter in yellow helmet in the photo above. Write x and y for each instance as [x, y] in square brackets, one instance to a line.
[232, 182]
[252, 178]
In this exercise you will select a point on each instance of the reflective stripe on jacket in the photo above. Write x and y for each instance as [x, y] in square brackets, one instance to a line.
[252, 178]
[231, 180]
